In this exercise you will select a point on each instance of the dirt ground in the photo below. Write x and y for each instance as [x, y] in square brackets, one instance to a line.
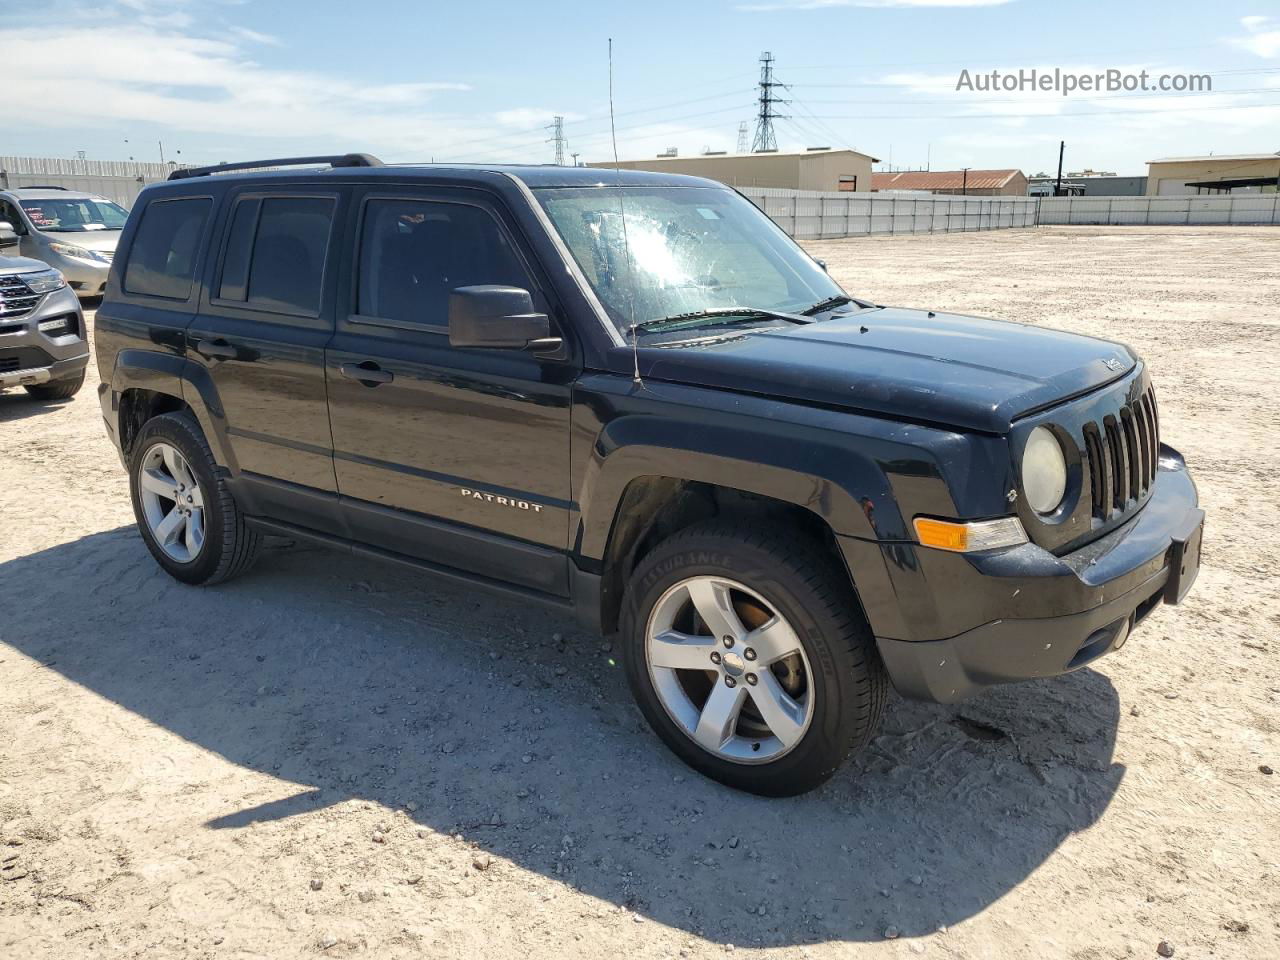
[333, 758]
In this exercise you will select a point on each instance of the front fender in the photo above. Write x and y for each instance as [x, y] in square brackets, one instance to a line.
[853, 471]
[734, 457]
[864, 477]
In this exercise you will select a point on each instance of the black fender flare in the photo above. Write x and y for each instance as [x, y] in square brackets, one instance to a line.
[847, 491]
[177, 376]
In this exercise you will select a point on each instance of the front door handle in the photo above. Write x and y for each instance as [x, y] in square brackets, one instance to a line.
[216, 349]
[368, 373]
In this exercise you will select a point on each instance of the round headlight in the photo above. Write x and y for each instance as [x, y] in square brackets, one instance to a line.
[1044, 471]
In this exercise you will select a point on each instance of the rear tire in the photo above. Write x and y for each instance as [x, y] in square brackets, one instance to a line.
[57, 389]
[207, 540]
[773, 591]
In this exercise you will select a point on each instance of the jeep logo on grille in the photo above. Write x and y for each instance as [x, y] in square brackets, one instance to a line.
[513, 502]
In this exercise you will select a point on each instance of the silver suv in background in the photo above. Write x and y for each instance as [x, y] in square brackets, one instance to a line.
[42, 332]
[75, 233]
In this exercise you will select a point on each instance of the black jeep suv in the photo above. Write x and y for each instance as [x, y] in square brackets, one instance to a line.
[632, 397]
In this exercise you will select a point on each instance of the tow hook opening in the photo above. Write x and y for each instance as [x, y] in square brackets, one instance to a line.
[1110, 637]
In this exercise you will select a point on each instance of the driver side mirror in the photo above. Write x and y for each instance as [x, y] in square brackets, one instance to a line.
[497, 317]
[8, 236]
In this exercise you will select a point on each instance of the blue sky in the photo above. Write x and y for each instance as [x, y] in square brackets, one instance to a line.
[417, 80]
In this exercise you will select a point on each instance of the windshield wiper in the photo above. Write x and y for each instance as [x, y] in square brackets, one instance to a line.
[717, 316]
[828, 304]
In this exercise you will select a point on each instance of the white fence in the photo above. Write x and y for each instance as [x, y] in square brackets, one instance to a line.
[809, 214]
[1245, 208]
[118, 180]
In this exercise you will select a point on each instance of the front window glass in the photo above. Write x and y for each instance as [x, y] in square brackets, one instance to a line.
[691, 249]
[75, 215]
[413, 253]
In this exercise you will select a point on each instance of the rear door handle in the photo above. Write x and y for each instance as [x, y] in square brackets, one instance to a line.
[216, 349]
[368, 373]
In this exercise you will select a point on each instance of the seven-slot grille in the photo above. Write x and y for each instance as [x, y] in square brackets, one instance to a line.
[1122, 452]
[16, 298]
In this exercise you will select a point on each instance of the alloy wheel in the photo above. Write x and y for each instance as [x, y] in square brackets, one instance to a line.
[729, 670]
[172, 502]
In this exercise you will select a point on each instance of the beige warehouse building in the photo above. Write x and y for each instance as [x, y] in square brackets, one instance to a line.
[1236, 173]
[816, 169]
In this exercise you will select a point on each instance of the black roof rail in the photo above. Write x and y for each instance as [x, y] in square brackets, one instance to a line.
[336, 160]
[38, 186]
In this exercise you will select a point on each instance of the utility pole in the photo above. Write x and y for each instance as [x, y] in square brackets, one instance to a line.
[1062, 146]
[964, 183]
[161, 142]
[557, 137]
[575, 158]
[766, 141]
[742, 137]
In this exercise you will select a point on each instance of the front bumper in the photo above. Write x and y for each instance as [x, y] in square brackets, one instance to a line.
[1025, 613]
[86, 278]
[31, 376]
[29, 357]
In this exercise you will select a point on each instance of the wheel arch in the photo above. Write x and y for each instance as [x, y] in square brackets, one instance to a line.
[147, 384]
[652, 508]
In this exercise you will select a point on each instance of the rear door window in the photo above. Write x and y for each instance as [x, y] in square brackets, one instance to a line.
[162, 259]
[276, 250]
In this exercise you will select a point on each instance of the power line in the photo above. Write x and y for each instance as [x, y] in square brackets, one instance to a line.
[916, 84]
[591, 134]
[766, 140]
[1149, 95]
[1035, 116]
[666, 105]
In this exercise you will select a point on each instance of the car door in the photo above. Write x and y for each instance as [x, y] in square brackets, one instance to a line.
[260, 335]
[456, 456]
[9, 212]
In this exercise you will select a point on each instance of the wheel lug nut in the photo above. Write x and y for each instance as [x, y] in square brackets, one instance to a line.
[730, 682]
[749, 653]
[191, 499]
[715, 656]
[751, 679]
[728, 641]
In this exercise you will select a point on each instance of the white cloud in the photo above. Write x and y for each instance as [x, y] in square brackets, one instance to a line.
[832, 4]
[136, 63]
[1262, 36]
[253, 36]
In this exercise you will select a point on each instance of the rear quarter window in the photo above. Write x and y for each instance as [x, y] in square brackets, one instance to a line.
[163, 257]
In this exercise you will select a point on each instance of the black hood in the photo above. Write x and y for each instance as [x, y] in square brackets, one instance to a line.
[966, 372]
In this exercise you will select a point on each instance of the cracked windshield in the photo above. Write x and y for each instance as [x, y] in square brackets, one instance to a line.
[692, 249]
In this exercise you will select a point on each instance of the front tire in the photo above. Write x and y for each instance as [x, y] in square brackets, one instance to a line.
[57, 389]
[748, 655]
[185, 512]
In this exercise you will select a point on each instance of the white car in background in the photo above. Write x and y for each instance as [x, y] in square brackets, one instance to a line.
[75, 233]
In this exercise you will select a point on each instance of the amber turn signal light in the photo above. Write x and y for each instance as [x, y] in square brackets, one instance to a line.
[959, 537]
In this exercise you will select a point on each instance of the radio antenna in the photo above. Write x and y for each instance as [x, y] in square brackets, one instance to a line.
[626, 244]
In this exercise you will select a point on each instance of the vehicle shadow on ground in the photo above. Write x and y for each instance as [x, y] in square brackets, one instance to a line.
[16, 404]
[503, 723]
